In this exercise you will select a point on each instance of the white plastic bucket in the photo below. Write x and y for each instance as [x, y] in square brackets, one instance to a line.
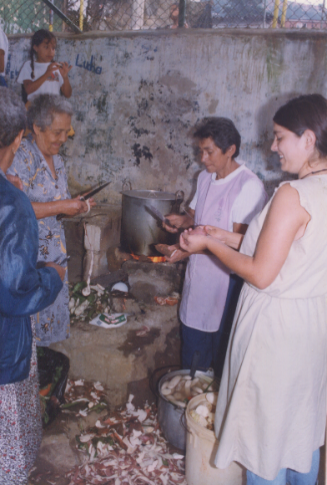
[201, 448]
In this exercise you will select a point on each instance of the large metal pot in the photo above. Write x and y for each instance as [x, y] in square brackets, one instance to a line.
[171, 417]
[140, 230]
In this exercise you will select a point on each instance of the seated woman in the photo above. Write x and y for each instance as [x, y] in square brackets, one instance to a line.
[24, 290]
[41, 170]
[271, 410]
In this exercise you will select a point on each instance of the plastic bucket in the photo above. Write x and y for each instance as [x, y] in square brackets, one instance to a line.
[201, 448]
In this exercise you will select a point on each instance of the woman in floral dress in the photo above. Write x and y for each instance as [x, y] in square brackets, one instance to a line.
[42, 171]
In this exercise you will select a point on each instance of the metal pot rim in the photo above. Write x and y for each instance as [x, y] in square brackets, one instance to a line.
[149, 194]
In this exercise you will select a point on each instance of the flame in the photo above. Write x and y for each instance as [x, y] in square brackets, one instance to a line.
[153, 259]
[157, 259]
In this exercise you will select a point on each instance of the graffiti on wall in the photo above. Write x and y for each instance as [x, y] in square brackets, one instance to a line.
[88, 65]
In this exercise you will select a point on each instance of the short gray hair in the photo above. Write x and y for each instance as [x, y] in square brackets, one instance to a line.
[12, 116]
[43, 109]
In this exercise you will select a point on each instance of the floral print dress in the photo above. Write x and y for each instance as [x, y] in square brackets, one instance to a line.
[53, 323]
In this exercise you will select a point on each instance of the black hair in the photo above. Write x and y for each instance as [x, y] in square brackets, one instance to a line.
[38, 37]
[222, 131]
[12, 116]
[307, 112]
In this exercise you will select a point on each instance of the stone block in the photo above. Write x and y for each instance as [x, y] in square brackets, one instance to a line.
[118, 356]
[102, 231]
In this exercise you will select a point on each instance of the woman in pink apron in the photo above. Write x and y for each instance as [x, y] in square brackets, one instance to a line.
[228, 195]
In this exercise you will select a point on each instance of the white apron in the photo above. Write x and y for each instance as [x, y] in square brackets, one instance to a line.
[207, 279]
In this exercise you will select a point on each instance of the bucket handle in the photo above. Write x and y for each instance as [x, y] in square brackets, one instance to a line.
[183, 422]
[127, 184]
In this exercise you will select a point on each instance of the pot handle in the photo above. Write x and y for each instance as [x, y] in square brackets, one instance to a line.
[127, 185]
[179, 196]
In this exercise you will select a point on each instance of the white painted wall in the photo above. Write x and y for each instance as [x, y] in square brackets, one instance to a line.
[136, 103]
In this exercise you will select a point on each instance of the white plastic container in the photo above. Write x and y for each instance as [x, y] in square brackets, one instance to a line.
[201, 448]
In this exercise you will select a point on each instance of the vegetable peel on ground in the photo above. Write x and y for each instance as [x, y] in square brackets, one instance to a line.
[139, 456]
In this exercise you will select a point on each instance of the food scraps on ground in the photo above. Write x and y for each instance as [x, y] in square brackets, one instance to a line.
[127, 448]
[81, 397]
[170, 300]
[87, 307]
[181, 388]
[109, 321]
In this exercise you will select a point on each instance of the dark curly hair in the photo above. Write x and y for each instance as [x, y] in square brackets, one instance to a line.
[12, 116]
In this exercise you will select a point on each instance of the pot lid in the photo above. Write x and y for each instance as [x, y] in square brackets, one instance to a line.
[149, 194]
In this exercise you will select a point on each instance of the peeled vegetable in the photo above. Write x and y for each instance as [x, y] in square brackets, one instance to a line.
[181, 388]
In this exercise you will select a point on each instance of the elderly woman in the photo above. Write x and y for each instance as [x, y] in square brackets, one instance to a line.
[271, 410]
[24, 290]
[41, 169]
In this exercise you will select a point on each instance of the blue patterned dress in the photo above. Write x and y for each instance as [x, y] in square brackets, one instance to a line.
[53, 323]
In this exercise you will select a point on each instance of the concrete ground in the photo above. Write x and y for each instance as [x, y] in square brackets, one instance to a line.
[127, 360]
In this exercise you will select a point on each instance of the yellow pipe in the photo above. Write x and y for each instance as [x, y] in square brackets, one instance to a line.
[81, 8]
[51, 28]
[276, 12]
[282, 21]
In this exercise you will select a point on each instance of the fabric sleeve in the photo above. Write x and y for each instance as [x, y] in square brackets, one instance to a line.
[25, 73]
[23, 166]
[24, 290]
[193, 202]
[250, 201]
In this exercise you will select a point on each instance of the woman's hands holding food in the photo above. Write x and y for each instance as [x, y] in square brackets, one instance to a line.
[177, 254]
[73, 207]
[194, 240]
[215, 232]
[176, 223]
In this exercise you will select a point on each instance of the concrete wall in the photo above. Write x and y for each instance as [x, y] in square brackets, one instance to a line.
[137, 95]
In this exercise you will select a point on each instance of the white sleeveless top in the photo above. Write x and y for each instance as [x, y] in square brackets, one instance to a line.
[271, 411]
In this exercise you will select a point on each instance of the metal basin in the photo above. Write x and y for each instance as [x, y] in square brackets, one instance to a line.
[171, 417]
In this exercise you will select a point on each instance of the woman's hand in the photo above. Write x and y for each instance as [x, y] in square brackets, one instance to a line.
[61, 271]
[73, 207]
[193, 242]
[64, 69]
[215, 232]
[15, 180]
[178, 222]
[177, 254]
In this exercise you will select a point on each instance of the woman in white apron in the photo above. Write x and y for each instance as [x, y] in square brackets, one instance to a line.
[271, 411]
[228, 195]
